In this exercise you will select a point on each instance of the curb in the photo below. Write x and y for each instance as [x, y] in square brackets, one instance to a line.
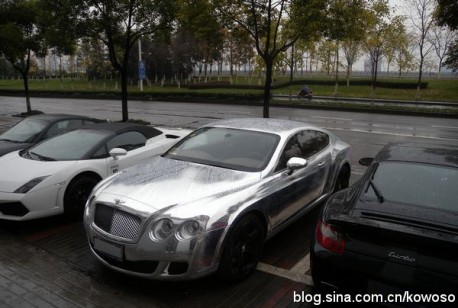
[239, 101]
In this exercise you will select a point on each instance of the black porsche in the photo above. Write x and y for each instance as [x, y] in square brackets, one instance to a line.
[396, 229]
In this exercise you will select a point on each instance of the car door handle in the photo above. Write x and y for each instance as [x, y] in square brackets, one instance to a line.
[321, 164]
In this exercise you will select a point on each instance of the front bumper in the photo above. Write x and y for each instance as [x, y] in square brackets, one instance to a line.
[34, 204]
[170, 259]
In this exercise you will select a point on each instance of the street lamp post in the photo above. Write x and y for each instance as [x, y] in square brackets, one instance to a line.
[140, 64]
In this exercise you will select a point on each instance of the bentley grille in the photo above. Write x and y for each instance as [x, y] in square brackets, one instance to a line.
[117, 222]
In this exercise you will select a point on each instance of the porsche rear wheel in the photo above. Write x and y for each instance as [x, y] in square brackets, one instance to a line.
[242, 250]
[76, 196]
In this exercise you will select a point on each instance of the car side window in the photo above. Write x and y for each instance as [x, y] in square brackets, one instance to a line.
[304, 145]
[127, 141]
[292, 149]
[312, 142]
[101, 152]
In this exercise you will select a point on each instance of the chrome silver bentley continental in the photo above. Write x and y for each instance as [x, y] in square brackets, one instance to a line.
[211, 201]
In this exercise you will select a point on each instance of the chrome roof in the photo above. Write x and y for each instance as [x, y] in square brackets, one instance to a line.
[270, 125]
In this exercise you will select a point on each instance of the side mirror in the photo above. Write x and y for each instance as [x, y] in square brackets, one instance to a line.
[366, 161]
[295, 163]
[116, 152]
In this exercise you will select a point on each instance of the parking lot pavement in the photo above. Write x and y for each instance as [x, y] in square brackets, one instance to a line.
[33, 277]
[54, 268]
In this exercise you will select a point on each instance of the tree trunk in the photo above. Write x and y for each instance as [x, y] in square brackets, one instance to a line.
[291, 72]
[60, 69]
[420, 73]
[348, 73]
[125, 113]
[374, 75]
[267, 87]
[440, 69]
[336, 87]
[25, 77]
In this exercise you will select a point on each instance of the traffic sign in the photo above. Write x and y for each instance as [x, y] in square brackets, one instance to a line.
[141, 70]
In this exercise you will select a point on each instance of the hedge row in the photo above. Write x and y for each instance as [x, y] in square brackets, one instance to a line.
[356, 82]
[188, 96]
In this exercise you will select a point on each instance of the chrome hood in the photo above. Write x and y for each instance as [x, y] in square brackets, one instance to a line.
[161, 182]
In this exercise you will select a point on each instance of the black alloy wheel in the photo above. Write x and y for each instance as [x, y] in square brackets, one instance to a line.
[76, 196]
[243, 249]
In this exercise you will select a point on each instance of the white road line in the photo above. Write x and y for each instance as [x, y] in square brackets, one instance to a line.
[303, 265]
[392, 134]
[342, 119]
[384, 125]
[291, 275]
[358, 173]
[440, 126]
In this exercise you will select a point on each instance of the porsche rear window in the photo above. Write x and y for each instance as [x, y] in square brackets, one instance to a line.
[417, 184]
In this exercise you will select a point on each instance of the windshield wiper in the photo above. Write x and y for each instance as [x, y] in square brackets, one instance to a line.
[10, 140]
[41, 157]
[376, 191]
[25, 154]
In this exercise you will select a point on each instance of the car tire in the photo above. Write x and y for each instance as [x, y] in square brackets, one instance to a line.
[242, 249]
[343, 179]
[76, 196]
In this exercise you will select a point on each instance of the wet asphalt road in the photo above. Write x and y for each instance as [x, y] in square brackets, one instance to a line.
[367, 133]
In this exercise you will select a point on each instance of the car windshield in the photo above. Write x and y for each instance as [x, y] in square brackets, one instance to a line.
[24, 131]
[238, 149]
[74, 145]
[417, 184]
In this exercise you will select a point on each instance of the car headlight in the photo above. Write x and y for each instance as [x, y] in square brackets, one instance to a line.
[188, 229]
[182, 229]
[30, 184]
[162, 229]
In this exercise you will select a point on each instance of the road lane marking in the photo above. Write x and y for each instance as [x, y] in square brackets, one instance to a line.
[440, 126]
[342, 119]
[384, 125]
[392, 134]
[288, 274]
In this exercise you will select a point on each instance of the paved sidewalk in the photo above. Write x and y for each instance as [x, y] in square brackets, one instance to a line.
[32, 277]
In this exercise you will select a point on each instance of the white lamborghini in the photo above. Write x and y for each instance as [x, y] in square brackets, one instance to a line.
[57, 175]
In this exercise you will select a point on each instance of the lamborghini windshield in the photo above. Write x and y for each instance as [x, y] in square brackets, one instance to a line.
[74, 145]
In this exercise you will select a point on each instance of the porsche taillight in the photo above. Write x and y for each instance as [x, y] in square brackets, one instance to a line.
[330, 237]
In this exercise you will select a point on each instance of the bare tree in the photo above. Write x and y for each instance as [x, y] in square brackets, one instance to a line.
[441, 39]
[421, 16]
[352, 51]
[404, 54]
[119, 25]
[274, 25]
